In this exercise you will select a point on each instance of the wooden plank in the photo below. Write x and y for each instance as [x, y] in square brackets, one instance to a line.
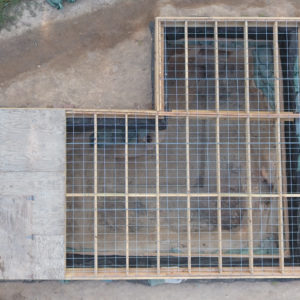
[218, 158]
[278, 146]
[216, 53]
[246, 64]
[182, 195]
[241, 19]
[16, 220]
[153, 253]
[205, 273]
[95, 194]
[194, 254]
[32, 248]
[205, 114]
[188, 189]
[65, 202]
[219, 205]
[34, 143]
[228, 23]
[248, 149]
[195, 271]
[157, 60]
[162, 68]
[157, 194]
[187, 137]
[283, 166]
[186, 65]
[126, 194]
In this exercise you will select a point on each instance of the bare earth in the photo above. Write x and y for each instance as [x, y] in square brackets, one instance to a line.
[216, 290]
[97, 54]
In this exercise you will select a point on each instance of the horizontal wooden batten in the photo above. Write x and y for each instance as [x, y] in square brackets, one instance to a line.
[191, 113]
[182, 273]
[195, 195]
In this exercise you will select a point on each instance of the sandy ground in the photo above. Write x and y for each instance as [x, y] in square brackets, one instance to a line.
[97, 53]
[101, 58]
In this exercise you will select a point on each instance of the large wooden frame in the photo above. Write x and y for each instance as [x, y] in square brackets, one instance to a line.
[281, 195]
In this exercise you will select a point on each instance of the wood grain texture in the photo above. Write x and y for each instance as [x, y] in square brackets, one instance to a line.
[32, 194]
[32, 140]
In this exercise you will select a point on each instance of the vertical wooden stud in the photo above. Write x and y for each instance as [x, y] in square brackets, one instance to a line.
[157, 194]
[187, 134]
[248, 148]
[278, 146]
[218, 159]
[95, 194]
[126, 194]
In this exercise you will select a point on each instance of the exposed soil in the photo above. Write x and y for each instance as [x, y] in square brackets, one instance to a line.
[100, 59]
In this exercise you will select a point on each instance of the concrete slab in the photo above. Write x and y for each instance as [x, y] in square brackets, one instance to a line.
[32, 194]
[31, 140]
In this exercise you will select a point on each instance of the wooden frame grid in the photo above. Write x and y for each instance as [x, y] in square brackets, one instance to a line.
[279, 116]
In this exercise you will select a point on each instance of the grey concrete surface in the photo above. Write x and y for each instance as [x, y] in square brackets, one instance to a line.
[32, 194]
[202, 290]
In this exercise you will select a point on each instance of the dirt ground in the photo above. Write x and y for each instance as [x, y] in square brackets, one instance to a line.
[97, 54]
[101, 58]
[215, 290]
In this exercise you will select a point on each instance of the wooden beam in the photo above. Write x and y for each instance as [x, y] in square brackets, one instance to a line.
[186, 65]
[216, 53]
[205, 114]
[218, 158]
[278, 145]
[157, 63]
[224, 19]
[65, 202]
[188, 195]
[187, 141]
[172, 273]
[126, 195]
[196, 195]
[157, 193]
[162, 68]
[95, 194]
[248, 149]
[194, 254]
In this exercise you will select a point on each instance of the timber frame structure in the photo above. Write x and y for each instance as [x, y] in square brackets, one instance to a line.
[251, 265]
[56, 195]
